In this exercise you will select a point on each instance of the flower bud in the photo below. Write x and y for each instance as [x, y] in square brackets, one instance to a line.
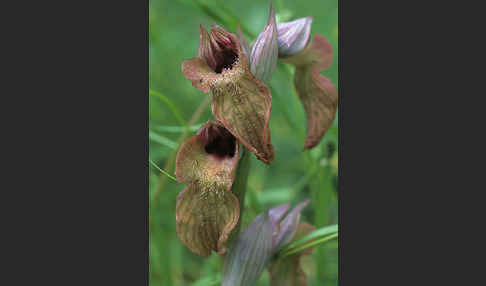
[254, 247]
[264, 52]
[293, 36]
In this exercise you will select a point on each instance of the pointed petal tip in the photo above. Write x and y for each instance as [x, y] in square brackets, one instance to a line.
[264, 52]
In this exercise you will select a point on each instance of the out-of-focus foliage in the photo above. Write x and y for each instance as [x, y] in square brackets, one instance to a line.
[292, 177]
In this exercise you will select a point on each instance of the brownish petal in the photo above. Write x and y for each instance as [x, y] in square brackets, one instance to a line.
[317, 94]
[205, 216]
[194, 163]
[319, 98]
[199, 73]
[287, 272]
[243, 106]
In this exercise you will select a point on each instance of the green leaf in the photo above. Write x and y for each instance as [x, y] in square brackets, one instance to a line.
[172, 107]
[176, 129]
[321, 235]
[163, 171]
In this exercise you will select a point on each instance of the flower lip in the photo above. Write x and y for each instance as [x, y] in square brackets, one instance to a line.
[218, 141]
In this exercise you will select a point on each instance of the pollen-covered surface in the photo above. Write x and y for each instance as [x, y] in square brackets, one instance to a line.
[194, 163]
[317, 94]
[205, 216]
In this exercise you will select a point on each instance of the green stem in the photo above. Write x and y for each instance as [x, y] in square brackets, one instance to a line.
[239, 188]
[162, 171]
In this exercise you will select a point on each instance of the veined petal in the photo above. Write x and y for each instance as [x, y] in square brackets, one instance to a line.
[205, 216]
[264, 52]
[199, 73]
[317, 94]
[288, 271]
[246, 261]
[244, 106]
[289, 225]
[210, 157]
[319, 98]
[293, 36]
[277, 213]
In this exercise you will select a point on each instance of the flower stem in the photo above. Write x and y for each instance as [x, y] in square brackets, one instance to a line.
[239, 188]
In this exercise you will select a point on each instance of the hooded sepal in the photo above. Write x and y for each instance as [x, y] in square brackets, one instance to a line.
[293, 36]
[288, 271]
[264, 51]
[207, 210]
[317, 94]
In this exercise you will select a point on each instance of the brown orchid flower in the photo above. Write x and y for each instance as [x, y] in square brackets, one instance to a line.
[241, 101]
[207, 210]
[316, 92]
[288, 271]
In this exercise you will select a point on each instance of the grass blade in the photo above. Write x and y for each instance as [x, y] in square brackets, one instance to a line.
[162, 171]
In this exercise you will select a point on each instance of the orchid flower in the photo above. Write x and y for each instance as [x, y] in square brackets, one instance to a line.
[241, 101]
[207, 210]
[316, 92]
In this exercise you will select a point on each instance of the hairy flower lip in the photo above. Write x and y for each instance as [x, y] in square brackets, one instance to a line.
[207, 210]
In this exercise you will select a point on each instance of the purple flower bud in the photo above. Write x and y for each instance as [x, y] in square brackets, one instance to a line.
[256, 245]
[264, 52]
[250, 254]
[288, 227]
[293, 36]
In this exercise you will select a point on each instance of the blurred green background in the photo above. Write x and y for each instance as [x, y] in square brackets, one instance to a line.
[174, 102]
